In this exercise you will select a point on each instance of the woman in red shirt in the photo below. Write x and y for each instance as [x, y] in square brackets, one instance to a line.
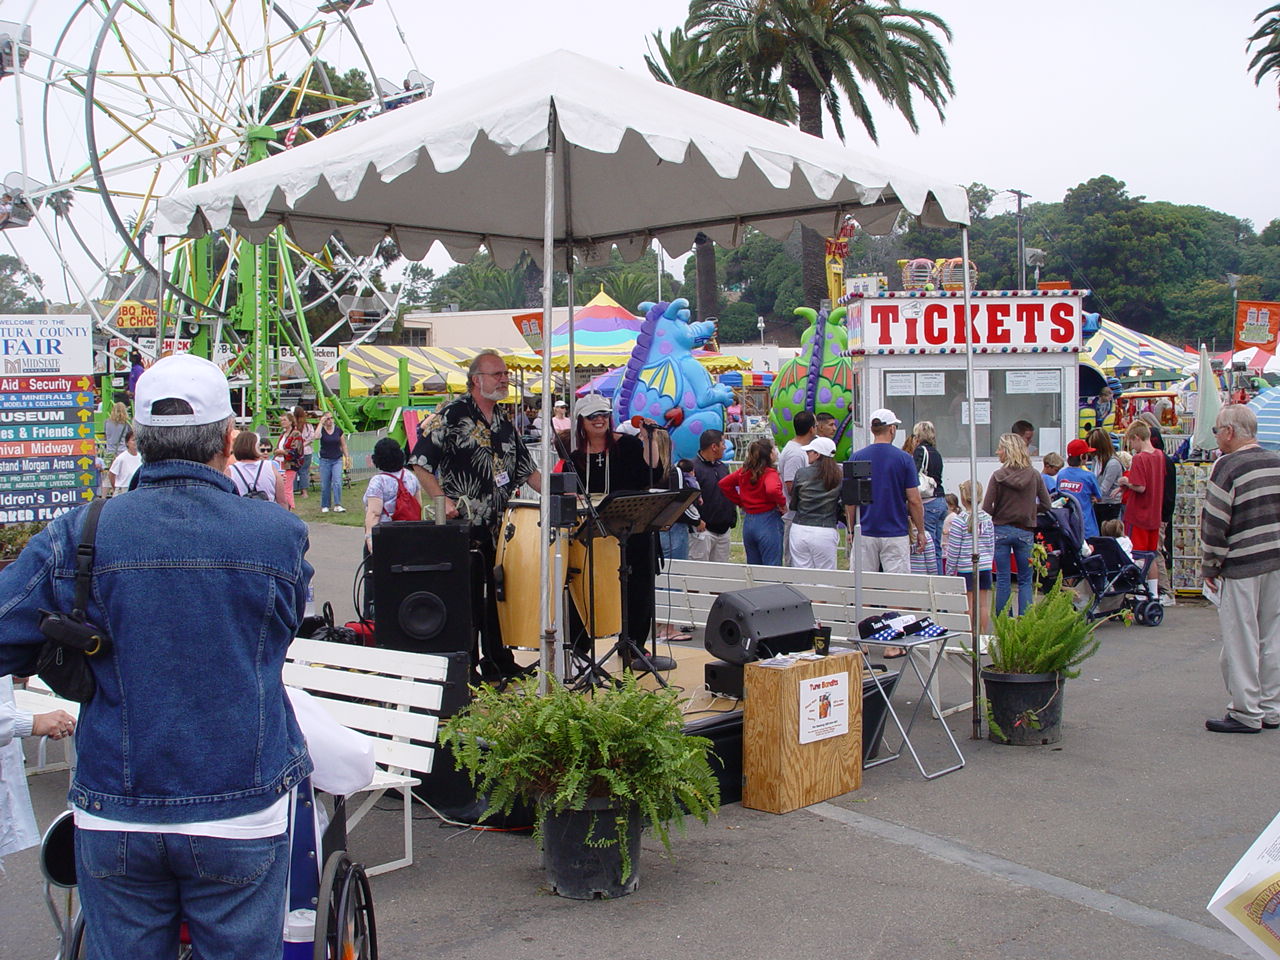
[757, 488]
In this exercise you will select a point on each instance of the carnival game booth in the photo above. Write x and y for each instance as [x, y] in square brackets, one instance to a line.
[907, 350]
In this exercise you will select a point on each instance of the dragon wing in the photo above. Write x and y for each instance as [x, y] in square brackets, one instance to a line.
[662, 378]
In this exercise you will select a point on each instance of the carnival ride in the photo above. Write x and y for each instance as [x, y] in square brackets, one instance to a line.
[136, 98]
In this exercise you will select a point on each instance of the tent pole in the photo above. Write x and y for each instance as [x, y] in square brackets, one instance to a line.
[975, 625]
[571, 394]
[547, 648]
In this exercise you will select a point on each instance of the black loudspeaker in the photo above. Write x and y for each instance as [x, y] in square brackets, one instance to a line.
[745, 625]
[422, 586]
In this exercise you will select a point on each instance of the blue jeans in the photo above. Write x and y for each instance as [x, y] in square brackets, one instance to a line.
[330, 483]
[935, 515]
[675, 542]
[1016, 542]
[136, 888]
[302, 479]
[762, 537]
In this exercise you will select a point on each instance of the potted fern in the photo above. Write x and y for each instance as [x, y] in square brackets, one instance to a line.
[598, 768]
[1031, 657]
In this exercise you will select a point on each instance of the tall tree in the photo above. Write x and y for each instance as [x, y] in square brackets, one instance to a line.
[1266, 59]
[826, 50]
[691, 63]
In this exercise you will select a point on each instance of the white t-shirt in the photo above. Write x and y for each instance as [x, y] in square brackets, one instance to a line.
[256, 474]
[123, 467]
[384, 487]
[790, 462]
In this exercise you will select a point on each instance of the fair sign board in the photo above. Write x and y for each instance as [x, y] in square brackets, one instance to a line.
[42, 345]
[47, 455]
[914, 323]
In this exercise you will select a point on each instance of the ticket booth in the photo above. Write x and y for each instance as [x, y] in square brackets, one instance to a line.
[908, 348]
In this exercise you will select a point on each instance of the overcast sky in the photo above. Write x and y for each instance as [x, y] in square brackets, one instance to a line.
[1153, 92]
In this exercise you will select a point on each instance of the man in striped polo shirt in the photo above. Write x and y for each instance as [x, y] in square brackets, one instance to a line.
[1240, 533]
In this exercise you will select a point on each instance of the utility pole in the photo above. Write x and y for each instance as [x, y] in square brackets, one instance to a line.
[1022, 263]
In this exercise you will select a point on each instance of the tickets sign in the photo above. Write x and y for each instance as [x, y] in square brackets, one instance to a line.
[902, 324]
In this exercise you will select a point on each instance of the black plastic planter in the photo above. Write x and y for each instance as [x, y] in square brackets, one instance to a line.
[1025, 709]
[579, 864]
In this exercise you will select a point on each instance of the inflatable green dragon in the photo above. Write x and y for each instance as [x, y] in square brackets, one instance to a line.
[819, 380]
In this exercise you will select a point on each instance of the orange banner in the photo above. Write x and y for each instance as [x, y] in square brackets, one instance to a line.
[1257, 325]
[530, 327]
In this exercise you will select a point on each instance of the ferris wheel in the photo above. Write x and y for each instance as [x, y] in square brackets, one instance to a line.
[119, 102]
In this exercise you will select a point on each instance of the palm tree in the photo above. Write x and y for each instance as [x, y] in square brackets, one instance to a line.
[826, 50]
[1267, 58]
[690, 63]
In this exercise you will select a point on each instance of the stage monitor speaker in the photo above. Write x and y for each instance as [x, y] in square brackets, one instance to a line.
[422, 586]
[746, 625]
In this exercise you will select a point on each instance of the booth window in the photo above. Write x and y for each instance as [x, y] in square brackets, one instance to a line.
[941, 396]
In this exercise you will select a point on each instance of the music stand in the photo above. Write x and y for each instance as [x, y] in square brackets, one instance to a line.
[622, 515]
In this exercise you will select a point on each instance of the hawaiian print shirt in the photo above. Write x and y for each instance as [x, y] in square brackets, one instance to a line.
[469, 456]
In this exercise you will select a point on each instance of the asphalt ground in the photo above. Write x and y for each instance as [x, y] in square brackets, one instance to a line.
[1106, 845]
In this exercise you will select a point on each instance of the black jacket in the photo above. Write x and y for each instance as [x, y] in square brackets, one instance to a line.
[718, 512]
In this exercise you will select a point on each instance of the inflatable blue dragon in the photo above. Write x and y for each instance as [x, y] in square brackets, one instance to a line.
[663, 380]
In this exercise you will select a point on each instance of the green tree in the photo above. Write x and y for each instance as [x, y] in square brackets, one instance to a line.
[693, 64]
[1266, 59]
[826, 51]
[15, 279]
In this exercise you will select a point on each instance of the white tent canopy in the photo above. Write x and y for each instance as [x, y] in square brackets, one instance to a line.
[560, 152]
[643, 160]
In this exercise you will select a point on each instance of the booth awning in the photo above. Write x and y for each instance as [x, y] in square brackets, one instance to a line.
[1118, 351]
[431, 369]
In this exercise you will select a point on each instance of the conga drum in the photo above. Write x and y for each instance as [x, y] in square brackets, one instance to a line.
[519, 558]
[595, 584]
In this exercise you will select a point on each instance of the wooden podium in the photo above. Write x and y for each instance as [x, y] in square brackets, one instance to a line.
[815, 700]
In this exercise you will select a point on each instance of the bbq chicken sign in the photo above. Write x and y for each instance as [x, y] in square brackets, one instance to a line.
[908, 322]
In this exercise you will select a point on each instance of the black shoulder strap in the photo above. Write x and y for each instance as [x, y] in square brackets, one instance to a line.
[84, 557]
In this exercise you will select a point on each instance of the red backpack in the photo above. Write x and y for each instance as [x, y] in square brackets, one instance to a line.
[407, 505]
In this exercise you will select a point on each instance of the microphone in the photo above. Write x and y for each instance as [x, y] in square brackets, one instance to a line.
[638, 421]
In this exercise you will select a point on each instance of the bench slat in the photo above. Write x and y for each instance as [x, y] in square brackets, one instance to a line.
[397, 663]
[320, 680]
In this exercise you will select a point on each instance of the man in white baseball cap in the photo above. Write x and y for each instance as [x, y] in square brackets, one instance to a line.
[194, 381]
[189, 749]
[895, 496]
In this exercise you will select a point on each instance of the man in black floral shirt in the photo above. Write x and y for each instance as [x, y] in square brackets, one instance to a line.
[472, 456]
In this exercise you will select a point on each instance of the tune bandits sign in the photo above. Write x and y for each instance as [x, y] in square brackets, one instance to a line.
[47, 457]
[824, 707]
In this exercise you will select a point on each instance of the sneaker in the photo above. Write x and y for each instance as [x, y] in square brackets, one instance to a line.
[339, 509]
[1166, 600]
[324, 509]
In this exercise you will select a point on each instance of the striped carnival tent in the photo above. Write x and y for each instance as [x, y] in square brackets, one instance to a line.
[1118, 351]
[431, 369]
[747, 378]
[1267, 407]
[1255, 359]
[604, 335]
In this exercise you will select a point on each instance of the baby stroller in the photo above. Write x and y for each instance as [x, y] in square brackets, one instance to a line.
[1106, 581]
[338, 896]
[1120, 583]
[1061, 531]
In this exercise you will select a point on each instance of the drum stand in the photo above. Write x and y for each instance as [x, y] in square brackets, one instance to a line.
[623, 515]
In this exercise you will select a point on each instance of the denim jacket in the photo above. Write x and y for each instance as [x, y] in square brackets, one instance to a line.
[201, 592]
